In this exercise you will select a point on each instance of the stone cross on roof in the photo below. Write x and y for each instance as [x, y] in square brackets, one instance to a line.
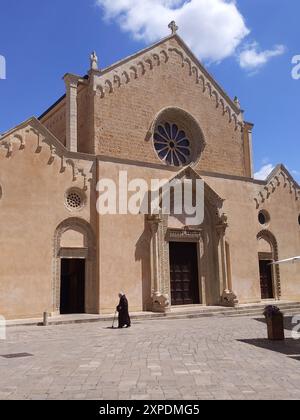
[174, 28]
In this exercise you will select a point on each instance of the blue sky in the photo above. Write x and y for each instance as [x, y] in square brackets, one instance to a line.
[247, 45]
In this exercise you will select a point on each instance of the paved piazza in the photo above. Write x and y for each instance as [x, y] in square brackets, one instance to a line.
[207, 358]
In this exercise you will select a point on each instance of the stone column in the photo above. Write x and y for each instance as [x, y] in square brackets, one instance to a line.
[221, 257]
[228, 298]
[155, 258]
[71, 82]
[203, 271]
[160, 301]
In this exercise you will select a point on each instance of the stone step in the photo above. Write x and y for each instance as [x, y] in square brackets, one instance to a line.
[288, 308]
[232, 313]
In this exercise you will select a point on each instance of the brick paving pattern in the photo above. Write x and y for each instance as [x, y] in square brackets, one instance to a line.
[208, 358]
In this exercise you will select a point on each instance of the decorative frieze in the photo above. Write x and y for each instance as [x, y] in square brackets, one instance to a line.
[108, 81]
[279, 177]
[44, 139]
[184, 235]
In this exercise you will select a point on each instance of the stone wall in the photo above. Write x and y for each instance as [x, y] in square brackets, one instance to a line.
[126, 108]
[34, 177]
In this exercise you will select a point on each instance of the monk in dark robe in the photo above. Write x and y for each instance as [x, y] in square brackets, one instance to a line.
[122, 308]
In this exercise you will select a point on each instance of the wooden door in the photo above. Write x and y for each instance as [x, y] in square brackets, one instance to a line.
[184, 273]
[266, 279]
[72, 295]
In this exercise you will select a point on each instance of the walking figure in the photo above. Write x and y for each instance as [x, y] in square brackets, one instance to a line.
[122, 308]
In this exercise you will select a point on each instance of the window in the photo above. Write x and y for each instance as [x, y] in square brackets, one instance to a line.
[172, 144]
[264, 217]
[74, 199]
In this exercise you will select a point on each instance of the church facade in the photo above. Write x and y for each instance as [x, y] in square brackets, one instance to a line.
[155, 115]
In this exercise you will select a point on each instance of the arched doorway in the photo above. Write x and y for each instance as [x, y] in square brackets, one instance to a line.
[269, 274]
[74, 282]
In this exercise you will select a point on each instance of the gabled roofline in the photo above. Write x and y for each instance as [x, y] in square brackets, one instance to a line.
[207, 74]
[278, 168]
[102, 72]
[37, 125]
[272, 183]
[185, 47]
[17, 127]
[52, 107]
[125, 60]
[189, 171]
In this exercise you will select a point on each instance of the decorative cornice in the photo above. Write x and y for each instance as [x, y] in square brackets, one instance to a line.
[194, 235]
[109, 82]
[279, 177]
[112, 79]
[45, 139]
[210, 195]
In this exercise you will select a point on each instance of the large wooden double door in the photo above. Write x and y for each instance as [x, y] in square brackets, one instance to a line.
[184, 273]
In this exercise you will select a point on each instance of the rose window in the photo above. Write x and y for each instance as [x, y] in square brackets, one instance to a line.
[172, 145]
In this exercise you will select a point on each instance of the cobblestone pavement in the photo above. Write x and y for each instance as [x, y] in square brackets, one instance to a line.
[207, 358]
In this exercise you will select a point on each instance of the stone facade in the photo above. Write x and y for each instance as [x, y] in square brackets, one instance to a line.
[105, 124]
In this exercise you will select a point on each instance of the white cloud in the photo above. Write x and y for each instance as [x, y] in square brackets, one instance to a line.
[264, 172]
[252, 58]
[213, 29]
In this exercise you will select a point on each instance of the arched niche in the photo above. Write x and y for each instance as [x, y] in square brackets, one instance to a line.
[74, 239]
[268, 250]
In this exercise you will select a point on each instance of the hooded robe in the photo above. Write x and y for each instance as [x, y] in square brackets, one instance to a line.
[122, 308]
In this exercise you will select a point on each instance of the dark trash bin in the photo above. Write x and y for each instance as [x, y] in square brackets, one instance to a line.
[275, 323]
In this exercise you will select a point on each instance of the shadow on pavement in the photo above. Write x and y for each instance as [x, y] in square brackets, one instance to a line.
[288, 325]
[289, 347]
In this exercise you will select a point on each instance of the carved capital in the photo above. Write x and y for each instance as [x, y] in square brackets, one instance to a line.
[222, 224]
[154, 221]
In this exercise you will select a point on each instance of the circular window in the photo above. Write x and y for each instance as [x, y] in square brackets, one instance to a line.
[177, 137]
[172, 144]
[263, 217]
[74, 199]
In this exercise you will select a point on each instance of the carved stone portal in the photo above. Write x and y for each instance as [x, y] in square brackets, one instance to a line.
[160, 299]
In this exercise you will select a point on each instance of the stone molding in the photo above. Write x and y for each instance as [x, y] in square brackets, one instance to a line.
[211, 196]
[184, 235]
[188, 123]
[279, 177]
[160, 282]
[88, 252]
[270, 238]
[73, 253]
[45, 139]
[107, 82]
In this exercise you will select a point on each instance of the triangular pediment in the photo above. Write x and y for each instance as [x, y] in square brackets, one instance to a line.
[45, 137]
[110, 79]
[34, 135]
[279, 177]
[210, 195]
